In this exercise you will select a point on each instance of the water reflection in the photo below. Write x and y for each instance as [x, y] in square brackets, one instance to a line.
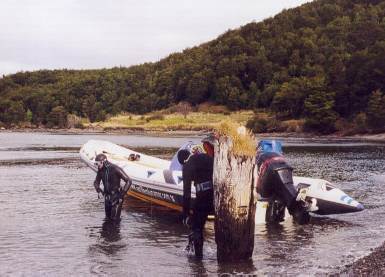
[162, 228]
[110, 231]
[278, 243]
[158, 225]
[109, 241]
[197, 266]
[238, 268]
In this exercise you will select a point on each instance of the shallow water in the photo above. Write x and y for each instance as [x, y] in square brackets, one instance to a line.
[52, 222]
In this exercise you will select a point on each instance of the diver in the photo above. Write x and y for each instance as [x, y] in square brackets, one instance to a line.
[275, 182]
[111, 174]
[197, 168]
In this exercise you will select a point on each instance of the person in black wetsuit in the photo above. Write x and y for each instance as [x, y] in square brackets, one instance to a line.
[275, 181]
[197, 168]
[111, 174]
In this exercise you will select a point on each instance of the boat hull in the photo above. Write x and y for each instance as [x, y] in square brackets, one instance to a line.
[154, 182]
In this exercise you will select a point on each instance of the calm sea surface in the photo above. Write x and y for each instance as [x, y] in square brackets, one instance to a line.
[52, 222]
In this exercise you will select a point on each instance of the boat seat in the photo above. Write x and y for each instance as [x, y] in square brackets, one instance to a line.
[167, 173]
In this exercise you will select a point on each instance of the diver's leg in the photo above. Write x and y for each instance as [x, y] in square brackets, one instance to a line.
[116, 209]
[197, 228]
[107, 207]
[201, 212]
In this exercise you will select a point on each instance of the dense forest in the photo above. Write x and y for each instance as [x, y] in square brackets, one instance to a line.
[323, 62]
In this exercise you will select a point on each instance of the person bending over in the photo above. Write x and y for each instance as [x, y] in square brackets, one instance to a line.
[275, 181]
[111, 174]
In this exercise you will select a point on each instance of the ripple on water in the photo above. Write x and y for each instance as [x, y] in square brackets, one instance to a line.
[54, 223]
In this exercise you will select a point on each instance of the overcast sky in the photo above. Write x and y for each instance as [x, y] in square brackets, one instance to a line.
[79, 34]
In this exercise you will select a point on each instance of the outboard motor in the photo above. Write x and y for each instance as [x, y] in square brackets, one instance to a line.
[275, 183]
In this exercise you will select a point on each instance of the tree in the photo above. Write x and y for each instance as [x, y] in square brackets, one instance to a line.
[183, 108]
[376, 110]
[320, 115]
[89, 108]
[288, 101]
[57, 117]
[198, 88]
[16, 112]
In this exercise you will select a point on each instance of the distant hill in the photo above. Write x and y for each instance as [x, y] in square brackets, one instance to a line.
[323, 62]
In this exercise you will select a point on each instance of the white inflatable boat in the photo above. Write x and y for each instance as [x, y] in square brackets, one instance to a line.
[160, 181]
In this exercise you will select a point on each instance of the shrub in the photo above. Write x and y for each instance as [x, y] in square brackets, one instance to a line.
[293, 125]
[57, 117]
[73, 120]
[101, 116]
[29, 115]
[343, 126]
[79, 125]
[359, 123]
[274, 125]
[257, 124]
[183, 108]
[208, 107]
[263, 123]
[155, 116]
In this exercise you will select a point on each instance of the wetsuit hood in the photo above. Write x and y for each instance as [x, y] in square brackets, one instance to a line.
[183, 156]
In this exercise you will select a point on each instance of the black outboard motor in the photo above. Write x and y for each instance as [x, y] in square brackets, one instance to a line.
[275, 182]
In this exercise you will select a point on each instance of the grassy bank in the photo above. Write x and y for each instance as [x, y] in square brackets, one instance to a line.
[194, 121]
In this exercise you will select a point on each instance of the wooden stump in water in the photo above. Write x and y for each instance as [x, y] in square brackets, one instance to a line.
[234, 202]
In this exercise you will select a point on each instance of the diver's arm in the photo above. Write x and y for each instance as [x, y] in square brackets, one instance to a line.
[125, 178]
[97, 182]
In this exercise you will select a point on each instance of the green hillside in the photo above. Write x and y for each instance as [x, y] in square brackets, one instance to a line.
[323, 62]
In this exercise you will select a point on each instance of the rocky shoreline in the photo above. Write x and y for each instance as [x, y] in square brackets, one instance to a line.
[370, 265]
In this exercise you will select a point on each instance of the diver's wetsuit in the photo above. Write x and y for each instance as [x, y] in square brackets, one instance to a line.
[198, 169]
[275, 180]
[111, 175]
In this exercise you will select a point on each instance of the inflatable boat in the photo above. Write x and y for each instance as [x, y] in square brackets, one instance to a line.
[160, 181]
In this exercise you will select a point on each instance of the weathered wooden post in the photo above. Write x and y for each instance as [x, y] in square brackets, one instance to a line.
[234, 179]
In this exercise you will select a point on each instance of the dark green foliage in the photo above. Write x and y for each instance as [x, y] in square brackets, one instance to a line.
[376, 111]
[360, 123]
[320, 115]
[12, 112]
[289, 100]
[57, 117]
[79, 125]
[257, 125]
[29, 116]
[324, 51]
[263, 124]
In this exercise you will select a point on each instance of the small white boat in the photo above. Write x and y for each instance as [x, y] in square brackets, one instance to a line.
[160, 181]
